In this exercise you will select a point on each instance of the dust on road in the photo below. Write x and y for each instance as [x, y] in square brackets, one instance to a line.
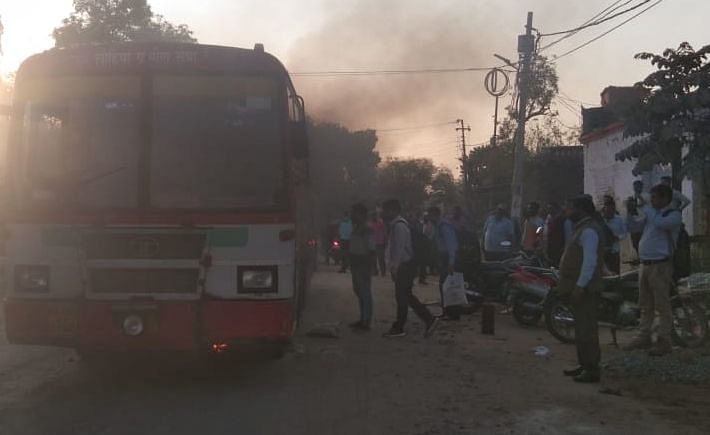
[456, 382]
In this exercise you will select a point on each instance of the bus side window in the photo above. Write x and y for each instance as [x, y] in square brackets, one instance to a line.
[297, 125]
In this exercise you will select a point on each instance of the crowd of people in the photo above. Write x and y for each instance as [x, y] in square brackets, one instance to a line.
[582, 241]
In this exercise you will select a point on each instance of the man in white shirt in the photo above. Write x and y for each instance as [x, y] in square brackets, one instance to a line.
[679, 201]
[403, 268]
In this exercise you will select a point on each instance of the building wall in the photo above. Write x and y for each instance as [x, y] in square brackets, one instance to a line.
[604, 175]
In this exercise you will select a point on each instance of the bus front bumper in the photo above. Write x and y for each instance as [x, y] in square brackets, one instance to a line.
[147, 326]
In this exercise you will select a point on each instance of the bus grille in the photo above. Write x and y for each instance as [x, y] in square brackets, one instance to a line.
[145, 246]
[144, 280]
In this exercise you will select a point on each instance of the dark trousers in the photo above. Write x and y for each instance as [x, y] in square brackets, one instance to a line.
[344, 254]
[453, 312]
[613, 261]
[362, 285]
[586, 330]
[403, 284]
[379, 261]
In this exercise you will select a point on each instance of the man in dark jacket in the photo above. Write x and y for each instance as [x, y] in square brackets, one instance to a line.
[580, 278]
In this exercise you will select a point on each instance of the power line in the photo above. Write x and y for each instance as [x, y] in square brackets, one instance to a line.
[335, 73]
[597, 22]
[579, 47]
[418, 127]
[574, 100]
[601, 14]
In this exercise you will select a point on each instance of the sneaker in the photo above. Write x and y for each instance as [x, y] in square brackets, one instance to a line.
[574, 372]
[639, 342]
[587, 377]
[431, 327]
[394, 332]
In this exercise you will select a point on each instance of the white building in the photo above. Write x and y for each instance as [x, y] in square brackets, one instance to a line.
[603, 138]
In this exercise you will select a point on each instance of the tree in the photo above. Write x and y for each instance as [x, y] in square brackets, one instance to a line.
[408, 180]
[104, 21]
[673, 115]
[343, 167]
[444, 189]
[542, 88]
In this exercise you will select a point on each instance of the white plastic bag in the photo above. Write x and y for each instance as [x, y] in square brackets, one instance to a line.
[454, 290]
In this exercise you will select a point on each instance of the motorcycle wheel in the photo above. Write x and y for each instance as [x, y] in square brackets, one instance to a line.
[525, 316]
[690, 325]
[559, 320]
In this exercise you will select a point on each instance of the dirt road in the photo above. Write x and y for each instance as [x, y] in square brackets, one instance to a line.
[456, 382]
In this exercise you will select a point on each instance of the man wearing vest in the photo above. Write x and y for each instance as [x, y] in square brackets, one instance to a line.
[660, 224]
[580, 279]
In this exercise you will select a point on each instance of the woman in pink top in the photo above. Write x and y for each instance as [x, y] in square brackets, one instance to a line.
[380, 234]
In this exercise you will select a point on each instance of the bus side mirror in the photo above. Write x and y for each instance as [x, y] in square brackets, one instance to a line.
[299, 139]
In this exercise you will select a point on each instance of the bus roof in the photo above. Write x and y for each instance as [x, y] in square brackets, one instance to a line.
[135, 57]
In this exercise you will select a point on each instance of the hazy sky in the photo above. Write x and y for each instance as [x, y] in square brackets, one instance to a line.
[317, 35]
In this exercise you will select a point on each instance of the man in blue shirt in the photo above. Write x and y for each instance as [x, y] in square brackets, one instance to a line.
[497, 229]
[660, 224]
[447, 246]
[580, 277]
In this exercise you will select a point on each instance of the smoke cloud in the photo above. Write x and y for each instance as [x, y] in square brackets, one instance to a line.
[405, 34]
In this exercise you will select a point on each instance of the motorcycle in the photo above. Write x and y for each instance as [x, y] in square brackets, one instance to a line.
[619, 310]
[528, 287]
[334, 253]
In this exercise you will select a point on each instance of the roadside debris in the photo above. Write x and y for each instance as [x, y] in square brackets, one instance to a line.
[325, 330]
[541, 351]
[611, 391]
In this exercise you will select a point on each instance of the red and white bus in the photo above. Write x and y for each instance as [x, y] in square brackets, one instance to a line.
[156, 199]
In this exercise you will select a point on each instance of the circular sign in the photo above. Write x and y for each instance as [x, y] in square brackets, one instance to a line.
[497, 82]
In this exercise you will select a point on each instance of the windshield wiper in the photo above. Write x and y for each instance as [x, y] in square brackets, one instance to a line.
[100, 176]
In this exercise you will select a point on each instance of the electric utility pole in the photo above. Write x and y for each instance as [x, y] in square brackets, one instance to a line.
[526, 48]
[464, 163]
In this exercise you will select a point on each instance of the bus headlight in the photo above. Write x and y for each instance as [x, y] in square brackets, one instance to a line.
[262, 279]
[32, 278]
[133, 325]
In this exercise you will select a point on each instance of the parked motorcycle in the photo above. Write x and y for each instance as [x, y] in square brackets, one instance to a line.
[528, 287]
[619, 310]
[334, 253]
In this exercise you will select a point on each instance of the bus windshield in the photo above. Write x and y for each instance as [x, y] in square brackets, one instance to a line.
[215, 142]
[80, 141]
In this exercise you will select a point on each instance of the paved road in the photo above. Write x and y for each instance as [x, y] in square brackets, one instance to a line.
[457, 382]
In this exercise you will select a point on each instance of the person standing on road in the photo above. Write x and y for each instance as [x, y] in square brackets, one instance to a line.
[680, 201]
[345, 231]
[617, 231]
[403, 268]
[380, 235]
[362, 254]
[580, 278]
[497, 229]
[447, 246]
[660, 227]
